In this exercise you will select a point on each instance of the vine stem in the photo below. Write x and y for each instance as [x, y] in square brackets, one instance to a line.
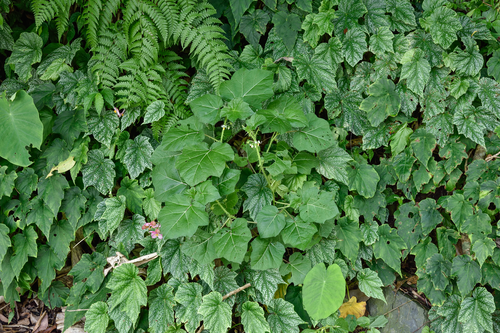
[235, 291]
[231, 216]
[261, 164]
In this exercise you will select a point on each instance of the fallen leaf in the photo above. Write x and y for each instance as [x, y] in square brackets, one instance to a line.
[352, 307]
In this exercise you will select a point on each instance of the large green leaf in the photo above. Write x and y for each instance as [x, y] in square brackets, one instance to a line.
[154, 112]
[270, 222]
[468, 273]
[20, 126]
[266, 254]
[381, 41]
[113, 215]
[24, 245]
[370, 284]
[90, 271]
[299, 266]
[416, 70]
[468, 124]
[181, 216]
[323, 291]
[315, 137]
[423, 144]
[216, 313]
[253, 319]
[316, 71]
[27, 51]
[429, 215]
[138, 156]
[103, 126]
[207, 108]
[166, 180]
[6, 181]
[258, 193]
[489, 91]
[232, 243]
[286, 26]
[493, 65]
[4, 240]
[200, 247]
[188, 132]
[266, 283]
[161, 313]
[198, 162]
[439, 270]
[349, 236]
[403, 15]
[189, 296]
[383, 101]
[99, 172]
[282, 317]
[443, 24]
[354, 45]
[254, 86]
[97, 318]
[128, 290]
[319, 208]
[46, 264]
[475, 312]
[283, 114]
[389, 246]
[238, 8]
[298, 233]
[61, 235]
[333, 164]
[363, 178]
[468, 62]
[236, 109]
[253, 25]
[348, 15]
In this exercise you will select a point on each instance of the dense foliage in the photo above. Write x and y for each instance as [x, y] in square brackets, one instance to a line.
[302, 147]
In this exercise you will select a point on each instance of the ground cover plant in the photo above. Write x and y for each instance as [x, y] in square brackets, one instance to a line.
[240, 165]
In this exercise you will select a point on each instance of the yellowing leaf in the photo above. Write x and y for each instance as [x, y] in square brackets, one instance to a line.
[63, 166]
[353, 307]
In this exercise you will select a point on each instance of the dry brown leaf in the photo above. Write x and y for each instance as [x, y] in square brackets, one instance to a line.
[352, 307]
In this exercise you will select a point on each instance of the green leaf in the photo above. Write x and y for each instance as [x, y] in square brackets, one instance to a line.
[216, 313]
[259, 195]
[349, 236]
[319, 208]
[381, 41]
[266, 254]
[286, 26]
[345, 104]
[459, 207]
[403, 15]
[138, 156]
[370, 284]
[130, 189]
[6, 181]
[20, 126]
[450, 310]
[26, 52]
[323, 290]
[161, 313]
[207, 108]
[40, 214]
[26, 181]
[439, 270]
[115, 210]
[482, 247]
[103, 126]
[46, 264]
[333, 164]
[90, 271]
[493, 65]
[129, 233]
[454, 153]
[331, 51]
[238, 8]
[475, 312]
[467, 124]
[4, 240]
[299, 266]
[226, 183]
[389, 246]
[266, 282]
[236, 109]
[383, 101]
[375, 17]
[315, 137]
[489, 90]
[73, 205]
[363, 178]
[232, 243]
[283, 114]
[206, 193]
[97, 318]
[423, 250]
[458, 87]
[316, 25]
[443, 24]
[416, 70]
[253, 25]
[423, 144]
[317, 71]
[282, 317]
[252, 318]
[155, 111]
[354, 45]
[128, 290]
[270, 222]
[99, 172]
[254, 86]
[399, 140]
[181, 217]
[348, 15]
[24, 245]
[51, 191]
[298, 233]
[189, 296]
[166, 180]
[200, 247]
[61, 235]
[198, 162]
[468, 273]
[429, 215]
[468, 62]
[188, 133]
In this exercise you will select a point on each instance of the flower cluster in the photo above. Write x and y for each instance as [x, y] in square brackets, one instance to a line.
[255, 144]
[153, 228]
[225, 126]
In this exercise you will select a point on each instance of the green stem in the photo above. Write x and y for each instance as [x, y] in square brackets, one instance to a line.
[231, 216]
[211, 137]
[347, 288]
[223, 129]
[271, 141]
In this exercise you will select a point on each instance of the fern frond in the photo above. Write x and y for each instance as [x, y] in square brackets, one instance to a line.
[46, 10]
[110, 8]
[110, 52]
[155, 14]
[91, 13]
[170, 9]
